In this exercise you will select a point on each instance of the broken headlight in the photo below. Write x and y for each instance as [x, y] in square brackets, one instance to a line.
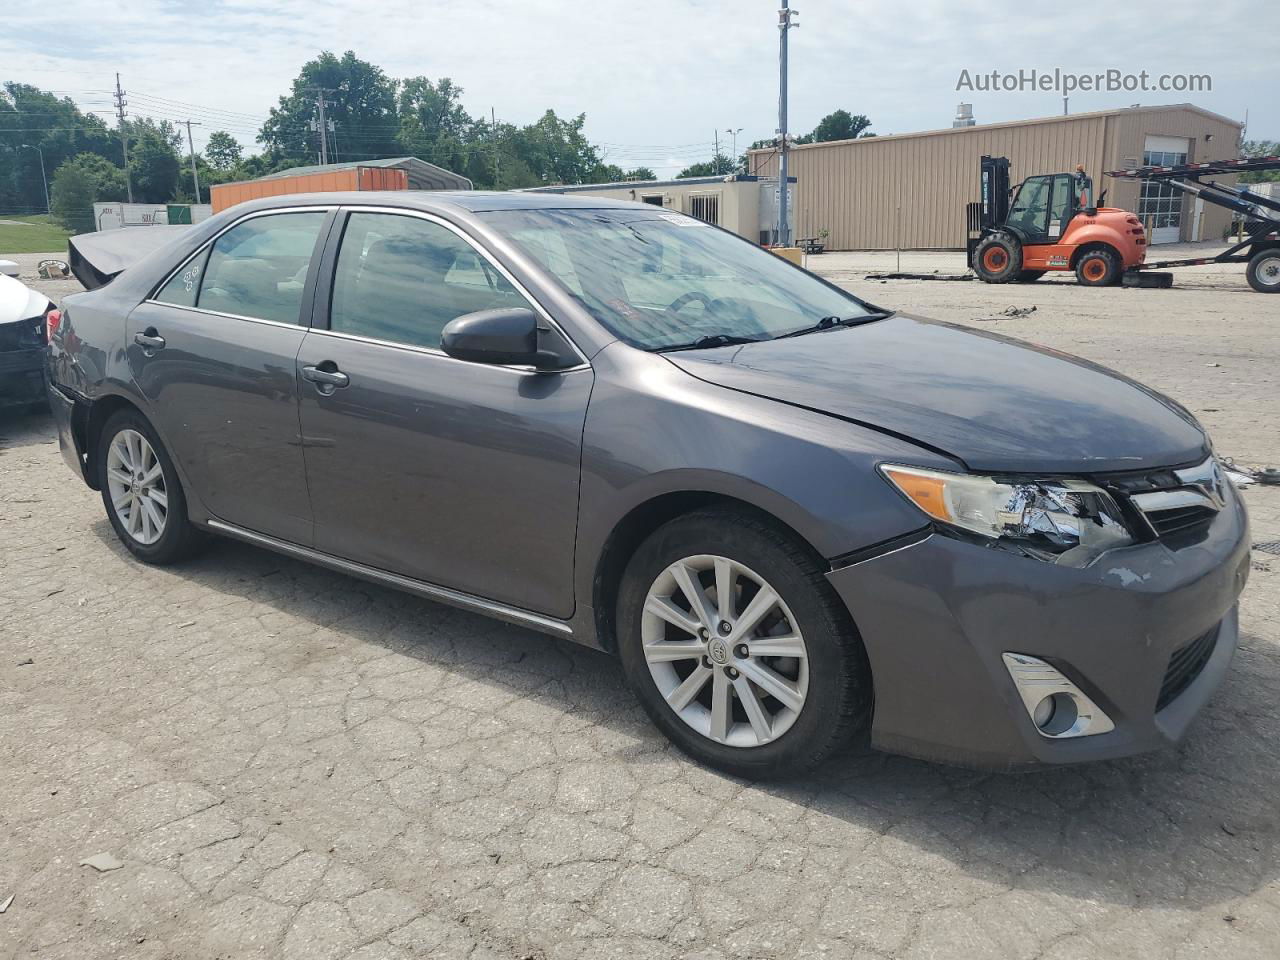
[1062, 521]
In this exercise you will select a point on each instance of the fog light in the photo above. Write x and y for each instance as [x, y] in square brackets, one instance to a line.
[1057, 707]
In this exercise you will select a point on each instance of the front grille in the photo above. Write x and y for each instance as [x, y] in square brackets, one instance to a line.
[1185, 665]
[1179, 520]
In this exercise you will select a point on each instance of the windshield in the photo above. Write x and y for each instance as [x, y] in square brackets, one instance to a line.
[662, 280]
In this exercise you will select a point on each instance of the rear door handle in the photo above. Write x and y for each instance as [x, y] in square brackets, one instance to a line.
[149, 340]
[326, 380]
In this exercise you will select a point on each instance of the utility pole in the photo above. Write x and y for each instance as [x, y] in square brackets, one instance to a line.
[493, 122]
[44, 180]
[717, 160]
[784, 25]
[195, 177]
[734, 133]
[324, 129]
[121, 102]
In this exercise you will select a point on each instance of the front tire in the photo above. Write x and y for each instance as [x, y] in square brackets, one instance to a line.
[141, 491]
[1263, 271]
[769, 682]
[998, 259]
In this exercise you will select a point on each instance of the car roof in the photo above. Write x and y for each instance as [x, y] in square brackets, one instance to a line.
[438, 201]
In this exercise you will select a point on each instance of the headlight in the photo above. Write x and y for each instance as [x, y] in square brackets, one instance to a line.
[1064, 521]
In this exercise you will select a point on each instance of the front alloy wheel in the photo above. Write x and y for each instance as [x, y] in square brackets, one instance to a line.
[738, 647]
[724, 651]
[135, 484]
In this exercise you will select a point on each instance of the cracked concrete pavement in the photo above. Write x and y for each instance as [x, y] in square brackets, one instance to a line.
[291, 763]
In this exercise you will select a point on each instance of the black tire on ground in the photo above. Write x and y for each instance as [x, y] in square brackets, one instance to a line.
[998, 259]
[1099, 267]
[179, 539]
[1030, 276]
[1263, 271]
[837, 706]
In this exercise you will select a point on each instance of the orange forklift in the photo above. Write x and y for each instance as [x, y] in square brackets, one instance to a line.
[1049, 222]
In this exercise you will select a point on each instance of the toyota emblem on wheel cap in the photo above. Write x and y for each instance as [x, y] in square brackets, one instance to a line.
[718, 650]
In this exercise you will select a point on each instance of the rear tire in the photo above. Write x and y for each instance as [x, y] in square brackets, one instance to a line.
[826, 696]
[1099, 267]
[1263, 271]
[141, 491]
[998, 259]
[1030, 276]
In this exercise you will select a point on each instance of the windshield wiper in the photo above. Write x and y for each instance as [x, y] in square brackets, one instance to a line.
[829, 323]
[713, 340]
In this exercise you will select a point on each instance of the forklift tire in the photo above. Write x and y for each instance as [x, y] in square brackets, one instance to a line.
[998, 259]
[1030, 276]
[1263, 271]
[1098, 268]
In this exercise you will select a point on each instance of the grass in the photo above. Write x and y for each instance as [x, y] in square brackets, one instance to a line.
[37, 234]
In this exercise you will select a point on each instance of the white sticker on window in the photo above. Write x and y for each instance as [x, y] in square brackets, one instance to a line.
[680, 220]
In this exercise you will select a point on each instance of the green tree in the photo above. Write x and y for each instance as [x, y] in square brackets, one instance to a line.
[34, 118]
[640, 173]
[716, 166]
[223, 151]
[154, 159]
[361, 102]
[1260, 148]
[837, 125]
[79, 183]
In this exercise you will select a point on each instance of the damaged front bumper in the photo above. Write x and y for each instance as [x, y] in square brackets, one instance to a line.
[1146, 632]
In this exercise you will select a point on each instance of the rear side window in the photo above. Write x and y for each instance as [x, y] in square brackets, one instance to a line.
[402, 279]
[183, 286]
[258, 269]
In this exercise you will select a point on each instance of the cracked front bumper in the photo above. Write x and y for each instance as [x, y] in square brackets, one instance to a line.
[936, 616]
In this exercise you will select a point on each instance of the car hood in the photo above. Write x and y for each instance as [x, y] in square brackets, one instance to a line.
[994, 403]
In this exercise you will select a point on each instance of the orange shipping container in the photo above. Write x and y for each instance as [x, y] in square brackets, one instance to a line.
[223, 195]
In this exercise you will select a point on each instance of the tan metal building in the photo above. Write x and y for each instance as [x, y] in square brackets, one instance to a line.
[744, 204]
[910, 190]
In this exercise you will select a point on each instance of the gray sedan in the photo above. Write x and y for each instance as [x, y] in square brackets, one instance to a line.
[793, 516]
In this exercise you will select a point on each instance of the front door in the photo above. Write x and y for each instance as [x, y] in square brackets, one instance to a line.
[463, 475]
[1029, 211]
[214, 352]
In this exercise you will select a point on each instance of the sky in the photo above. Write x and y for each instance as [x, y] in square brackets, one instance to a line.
[657, 80]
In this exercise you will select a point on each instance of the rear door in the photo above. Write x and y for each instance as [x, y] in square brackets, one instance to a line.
[214, 351]
[460, 474]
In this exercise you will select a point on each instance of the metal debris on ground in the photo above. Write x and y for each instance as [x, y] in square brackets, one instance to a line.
[4, 904]
[1008, 313]
[102, 862]
[1243, 476]
[1268, 546]
[53, 270]
[920, 276]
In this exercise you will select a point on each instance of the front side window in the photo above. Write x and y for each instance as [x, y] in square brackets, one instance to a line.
[1030, 209]
[258, 268]
[658, 280]
[401, 279]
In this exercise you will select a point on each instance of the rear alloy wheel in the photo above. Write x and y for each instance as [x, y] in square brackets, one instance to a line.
[998, 259]
[1263, 271]
[141, 491]
[738, 648]
[1097, 268]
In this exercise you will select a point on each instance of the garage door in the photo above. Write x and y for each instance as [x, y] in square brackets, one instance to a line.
[1160, 205]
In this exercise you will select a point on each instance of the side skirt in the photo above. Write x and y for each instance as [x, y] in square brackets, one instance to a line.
[430, 591]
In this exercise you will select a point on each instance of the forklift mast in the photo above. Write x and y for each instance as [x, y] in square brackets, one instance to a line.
[995, 192]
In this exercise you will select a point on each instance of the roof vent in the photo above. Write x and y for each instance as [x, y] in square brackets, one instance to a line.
[964, 116]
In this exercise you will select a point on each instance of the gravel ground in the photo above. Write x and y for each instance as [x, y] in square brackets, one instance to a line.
[290, 763]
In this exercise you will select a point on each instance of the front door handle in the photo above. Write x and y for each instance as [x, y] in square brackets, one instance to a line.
[326, 376]
[149, 340]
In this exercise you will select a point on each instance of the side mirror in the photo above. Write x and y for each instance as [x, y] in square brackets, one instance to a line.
[507, 336]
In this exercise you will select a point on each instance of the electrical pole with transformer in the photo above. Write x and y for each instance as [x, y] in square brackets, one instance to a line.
[195, 176]
[121, 102]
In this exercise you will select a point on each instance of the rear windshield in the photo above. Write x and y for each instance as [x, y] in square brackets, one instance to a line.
[661, 279]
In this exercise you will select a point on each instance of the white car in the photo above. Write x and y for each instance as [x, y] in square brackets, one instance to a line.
[24, 315]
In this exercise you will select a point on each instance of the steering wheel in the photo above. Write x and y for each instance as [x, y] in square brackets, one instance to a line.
[682, 301]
